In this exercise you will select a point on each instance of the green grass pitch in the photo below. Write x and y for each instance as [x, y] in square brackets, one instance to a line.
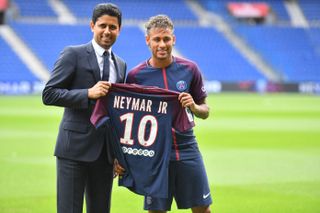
[262, 155]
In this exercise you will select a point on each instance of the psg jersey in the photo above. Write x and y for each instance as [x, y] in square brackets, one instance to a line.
[181, 75]
[141, 119]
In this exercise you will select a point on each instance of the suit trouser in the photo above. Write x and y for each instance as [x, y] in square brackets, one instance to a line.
[75, 178]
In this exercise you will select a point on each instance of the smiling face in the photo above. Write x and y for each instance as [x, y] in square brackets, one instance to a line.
[160, 42]
[105, 30]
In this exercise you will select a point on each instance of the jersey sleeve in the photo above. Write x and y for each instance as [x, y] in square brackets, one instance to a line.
[198, 91]
[100, 114]
[131, 77]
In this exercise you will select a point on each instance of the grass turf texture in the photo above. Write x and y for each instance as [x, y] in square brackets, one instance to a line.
[262, 154]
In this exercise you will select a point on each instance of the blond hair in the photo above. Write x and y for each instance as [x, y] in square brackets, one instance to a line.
[159, 21]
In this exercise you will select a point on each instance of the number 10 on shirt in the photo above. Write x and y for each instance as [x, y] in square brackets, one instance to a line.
[143, 139]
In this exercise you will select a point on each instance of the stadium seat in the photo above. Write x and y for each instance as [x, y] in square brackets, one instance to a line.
[34, 8]
[12, 68]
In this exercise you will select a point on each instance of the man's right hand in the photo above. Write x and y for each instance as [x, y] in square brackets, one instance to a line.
[117, 168]
[99, 89]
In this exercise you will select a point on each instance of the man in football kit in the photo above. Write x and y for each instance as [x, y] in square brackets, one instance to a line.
[188, 182]
[82, 74]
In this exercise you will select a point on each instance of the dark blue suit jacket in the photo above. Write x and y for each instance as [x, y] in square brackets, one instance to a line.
[75, 71]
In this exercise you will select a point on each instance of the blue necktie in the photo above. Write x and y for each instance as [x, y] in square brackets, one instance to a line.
[106, 66]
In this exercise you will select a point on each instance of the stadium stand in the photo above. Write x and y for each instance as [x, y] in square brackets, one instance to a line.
[12, 68]
[291, 52]
[78, 34]
[48, 40]
[311, 10]
[136, 9]
[34, 8]
[217, 58]
[220, 7]
[131, 46]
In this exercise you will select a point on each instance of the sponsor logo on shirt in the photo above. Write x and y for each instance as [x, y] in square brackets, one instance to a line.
[189, 114]
[140, 152]
[181, 85]
[203, 89]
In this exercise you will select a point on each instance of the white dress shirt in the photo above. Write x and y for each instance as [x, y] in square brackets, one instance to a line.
[99, 54]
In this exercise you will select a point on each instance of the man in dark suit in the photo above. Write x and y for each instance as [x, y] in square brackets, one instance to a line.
[81, 75]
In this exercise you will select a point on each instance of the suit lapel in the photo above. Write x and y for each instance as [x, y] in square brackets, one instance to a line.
[92, 60]
[117, 66]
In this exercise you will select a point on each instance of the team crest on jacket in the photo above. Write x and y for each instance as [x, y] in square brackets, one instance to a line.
[181, 85]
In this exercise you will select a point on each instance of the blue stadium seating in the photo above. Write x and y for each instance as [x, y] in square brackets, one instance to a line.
[294, 52]
[314, 36]
[216, 57]
[131, 46]
[48, 40]
[220, 7]
[34, 8]
[11, 67]
[311, 9]
[211, 53]
[136, 9]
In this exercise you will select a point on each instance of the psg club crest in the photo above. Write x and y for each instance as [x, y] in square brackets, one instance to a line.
[181, 85]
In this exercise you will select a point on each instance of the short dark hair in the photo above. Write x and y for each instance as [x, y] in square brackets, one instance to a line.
[106, 9]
